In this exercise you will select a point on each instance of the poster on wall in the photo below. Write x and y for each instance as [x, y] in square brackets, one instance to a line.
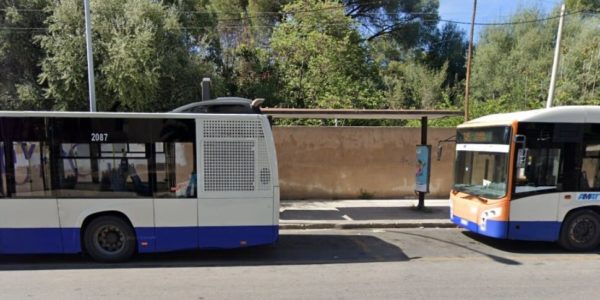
[423, 168]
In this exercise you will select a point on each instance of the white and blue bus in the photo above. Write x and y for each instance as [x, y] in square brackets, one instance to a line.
[531, 175]
[113, 184]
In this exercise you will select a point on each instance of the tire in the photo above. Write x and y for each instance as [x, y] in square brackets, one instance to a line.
[580, 231]
[109, 239]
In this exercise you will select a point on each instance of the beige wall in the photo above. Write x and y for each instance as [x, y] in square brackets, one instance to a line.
[339, 162]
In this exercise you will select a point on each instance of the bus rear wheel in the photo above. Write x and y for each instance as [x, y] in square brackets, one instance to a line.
[580, 231]
[109, 239]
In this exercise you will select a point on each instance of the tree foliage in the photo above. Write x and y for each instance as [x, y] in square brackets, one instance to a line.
[152, 55]
[320, 59]
[577, 5]
[579, 79]
[512, 64]
[141, 60]
[412, 85]
[407, 22]
[20, 55]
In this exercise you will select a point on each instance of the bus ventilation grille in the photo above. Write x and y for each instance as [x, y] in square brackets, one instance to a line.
[235, 156]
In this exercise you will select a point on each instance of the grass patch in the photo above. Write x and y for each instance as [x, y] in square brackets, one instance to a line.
[365, 195]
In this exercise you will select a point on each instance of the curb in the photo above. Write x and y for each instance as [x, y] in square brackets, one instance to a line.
[433, 224]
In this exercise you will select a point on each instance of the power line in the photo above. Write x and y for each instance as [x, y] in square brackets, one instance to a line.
[343, 23]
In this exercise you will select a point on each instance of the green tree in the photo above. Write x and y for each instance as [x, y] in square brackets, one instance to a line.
[414, 86]
[579, 79]
[448, 46]
[511, 64]
[142, 62]
[21, 21]
[245, 28]
[320, 59]
[407, 22]
[254, 76]
[577, 5]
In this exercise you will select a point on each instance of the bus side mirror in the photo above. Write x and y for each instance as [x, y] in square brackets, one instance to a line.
[439, 146]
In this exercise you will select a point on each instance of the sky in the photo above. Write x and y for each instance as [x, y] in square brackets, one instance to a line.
[488, 11]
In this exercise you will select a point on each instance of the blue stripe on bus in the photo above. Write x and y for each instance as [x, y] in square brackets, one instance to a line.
[162, 239]
[30, 240]
[534, 230]
[495, 229]
[71, 239]
[227, 237]
[514, 230]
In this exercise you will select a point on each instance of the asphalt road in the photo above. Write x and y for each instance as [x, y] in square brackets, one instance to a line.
[321, 264]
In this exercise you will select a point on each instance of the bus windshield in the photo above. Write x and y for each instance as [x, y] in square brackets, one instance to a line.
[481, 166]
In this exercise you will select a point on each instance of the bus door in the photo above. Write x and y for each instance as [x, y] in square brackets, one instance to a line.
[175, 196]
[551, 170]
[534, 207]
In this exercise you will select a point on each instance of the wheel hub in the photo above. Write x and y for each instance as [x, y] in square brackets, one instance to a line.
[111, 238]
[583, 231]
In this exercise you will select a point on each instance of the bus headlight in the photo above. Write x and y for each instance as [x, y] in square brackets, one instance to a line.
[488, 214]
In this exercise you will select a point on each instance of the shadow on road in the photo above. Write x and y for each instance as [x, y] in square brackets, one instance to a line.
[521, 247]
[290, 250]
[367, 213]
[496, 258]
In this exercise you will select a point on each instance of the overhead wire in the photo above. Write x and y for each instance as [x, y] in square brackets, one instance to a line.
[245, 18]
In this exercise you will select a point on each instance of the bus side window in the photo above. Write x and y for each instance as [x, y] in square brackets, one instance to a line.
[175, 171]
[541, 170]
[31, 170]
[2, 171]
[590, 166]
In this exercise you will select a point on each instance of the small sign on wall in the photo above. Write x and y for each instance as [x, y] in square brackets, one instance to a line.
[423, 168]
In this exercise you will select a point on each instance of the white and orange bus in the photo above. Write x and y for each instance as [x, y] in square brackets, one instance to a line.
[531, 175]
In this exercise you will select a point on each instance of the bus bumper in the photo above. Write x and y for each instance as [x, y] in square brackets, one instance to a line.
[491, 228]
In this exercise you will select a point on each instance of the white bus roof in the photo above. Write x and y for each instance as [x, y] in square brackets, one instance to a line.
[558, 114]
[83, 114]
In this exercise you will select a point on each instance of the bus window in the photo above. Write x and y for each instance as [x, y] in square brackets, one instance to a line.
[591, 165]
[2, 171]
[31, 170]
[541, 171]
[124, 168]
[103, 170]
[175, 172]
[76, 165]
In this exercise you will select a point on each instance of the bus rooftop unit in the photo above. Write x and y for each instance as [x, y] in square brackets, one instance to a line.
[531, 175]
[113, 184]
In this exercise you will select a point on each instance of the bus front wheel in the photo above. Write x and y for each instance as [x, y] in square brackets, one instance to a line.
[109, 239]
[580, 231]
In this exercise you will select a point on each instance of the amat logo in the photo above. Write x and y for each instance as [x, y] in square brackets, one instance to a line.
[589, 196]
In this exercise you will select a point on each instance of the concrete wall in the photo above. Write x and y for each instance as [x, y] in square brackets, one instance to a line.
[343, 162]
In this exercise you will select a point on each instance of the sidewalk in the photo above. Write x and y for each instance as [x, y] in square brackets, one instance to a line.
[348, 214]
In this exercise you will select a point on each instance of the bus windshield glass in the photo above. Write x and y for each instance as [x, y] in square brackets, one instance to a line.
[481, 166]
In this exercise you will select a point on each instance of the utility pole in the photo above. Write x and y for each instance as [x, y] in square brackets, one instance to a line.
[556, 55]
[469, 54]
[90, 57]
